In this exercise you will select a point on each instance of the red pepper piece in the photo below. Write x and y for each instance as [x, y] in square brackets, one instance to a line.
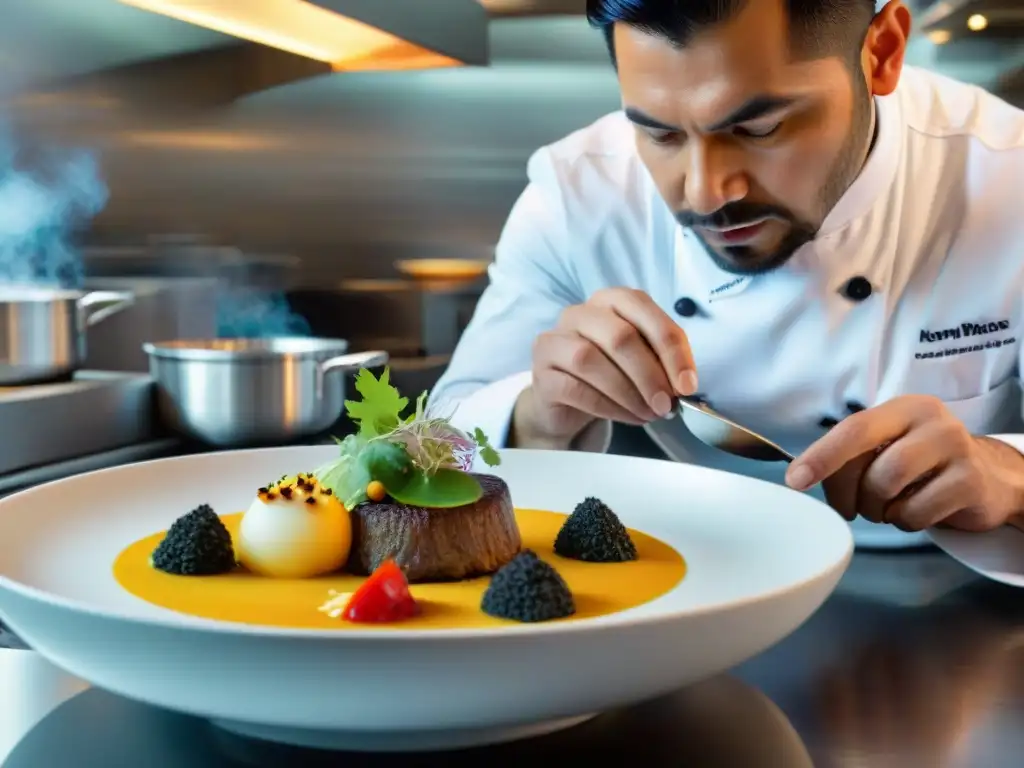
[382, 598]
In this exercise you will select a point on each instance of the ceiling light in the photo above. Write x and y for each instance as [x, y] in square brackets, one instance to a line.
[940, 36]
[304, 29]
[977, 22]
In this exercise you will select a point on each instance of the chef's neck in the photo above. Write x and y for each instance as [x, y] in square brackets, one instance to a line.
[872, 134]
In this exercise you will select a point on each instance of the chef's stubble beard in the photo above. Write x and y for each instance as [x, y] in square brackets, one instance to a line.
[844, 171]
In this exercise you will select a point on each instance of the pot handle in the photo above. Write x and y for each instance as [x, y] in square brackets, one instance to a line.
[350, 362]
[97, 306]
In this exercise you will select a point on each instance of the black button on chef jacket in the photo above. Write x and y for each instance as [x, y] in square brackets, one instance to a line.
[686, 307]
[857, 289]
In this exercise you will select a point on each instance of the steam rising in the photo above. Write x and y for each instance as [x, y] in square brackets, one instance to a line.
[39, 210]
[246, 313]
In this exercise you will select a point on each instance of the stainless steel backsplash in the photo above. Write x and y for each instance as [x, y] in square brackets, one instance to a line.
[346, 171]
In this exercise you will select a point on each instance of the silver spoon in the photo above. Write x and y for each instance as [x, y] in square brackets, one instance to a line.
[717, 431]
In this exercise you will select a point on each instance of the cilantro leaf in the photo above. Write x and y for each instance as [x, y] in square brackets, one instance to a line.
[380, 410]
[488, 452]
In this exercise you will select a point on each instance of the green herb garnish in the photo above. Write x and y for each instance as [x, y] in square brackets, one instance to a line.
[347, 476]
[487, 452]
[380, 410]
[421, 459]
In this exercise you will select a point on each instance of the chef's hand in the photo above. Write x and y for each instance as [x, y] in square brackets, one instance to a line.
[911, 463]
[616, 357]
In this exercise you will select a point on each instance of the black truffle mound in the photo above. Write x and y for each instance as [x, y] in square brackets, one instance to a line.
[527, 589]
[595, 534]
[197, 544]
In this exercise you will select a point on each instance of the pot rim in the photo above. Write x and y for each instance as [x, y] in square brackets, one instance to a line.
[252, 349]
[21, 294]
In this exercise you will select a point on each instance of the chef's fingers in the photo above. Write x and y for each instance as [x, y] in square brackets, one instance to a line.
[660, 331]
[842, 487]
[937, 499]
[573, 354]
[854, 436]
[865, 431]
[898, 468]
[560, 389]
[622, 343]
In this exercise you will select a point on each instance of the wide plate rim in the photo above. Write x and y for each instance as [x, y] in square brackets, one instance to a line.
[609, 623]
[949, 542]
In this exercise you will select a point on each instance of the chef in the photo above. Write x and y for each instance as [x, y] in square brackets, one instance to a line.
[825, 244]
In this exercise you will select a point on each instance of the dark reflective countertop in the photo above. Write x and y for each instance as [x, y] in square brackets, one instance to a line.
[912, 662]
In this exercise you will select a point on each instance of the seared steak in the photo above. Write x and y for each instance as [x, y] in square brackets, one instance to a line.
[438, 544]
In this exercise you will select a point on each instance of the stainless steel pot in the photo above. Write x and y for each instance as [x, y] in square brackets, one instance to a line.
[43, 331]
[247, 392]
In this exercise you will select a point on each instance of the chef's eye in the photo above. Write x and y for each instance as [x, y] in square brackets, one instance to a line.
[757, 131]
[663, 138]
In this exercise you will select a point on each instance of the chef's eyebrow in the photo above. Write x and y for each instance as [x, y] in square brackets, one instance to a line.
[642, 118]
[752, 109]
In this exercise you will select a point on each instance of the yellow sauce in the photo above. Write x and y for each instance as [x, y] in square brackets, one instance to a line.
[599, 588]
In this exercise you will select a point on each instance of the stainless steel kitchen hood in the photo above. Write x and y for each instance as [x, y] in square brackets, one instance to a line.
[200, 54]
[347, 35]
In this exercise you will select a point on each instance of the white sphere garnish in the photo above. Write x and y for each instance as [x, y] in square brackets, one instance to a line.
[294, 529]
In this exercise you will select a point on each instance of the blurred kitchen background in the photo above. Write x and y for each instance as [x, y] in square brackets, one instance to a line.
[238, 189]
[313, 184]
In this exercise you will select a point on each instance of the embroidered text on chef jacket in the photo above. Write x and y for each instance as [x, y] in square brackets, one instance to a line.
[913, 285]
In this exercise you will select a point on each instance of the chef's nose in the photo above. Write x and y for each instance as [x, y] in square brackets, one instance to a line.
[713, 178]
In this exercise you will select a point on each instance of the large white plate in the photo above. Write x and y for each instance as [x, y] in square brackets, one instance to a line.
[761, 560]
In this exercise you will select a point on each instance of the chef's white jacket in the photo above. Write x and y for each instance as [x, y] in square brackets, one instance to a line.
[913, 285]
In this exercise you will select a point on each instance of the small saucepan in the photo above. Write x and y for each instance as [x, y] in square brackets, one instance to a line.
[43, 330]
[233, 393]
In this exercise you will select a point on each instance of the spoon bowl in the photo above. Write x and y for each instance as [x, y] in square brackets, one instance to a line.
[718, 431]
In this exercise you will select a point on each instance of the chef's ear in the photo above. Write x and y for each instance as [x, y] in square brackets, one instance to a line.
[885, 47]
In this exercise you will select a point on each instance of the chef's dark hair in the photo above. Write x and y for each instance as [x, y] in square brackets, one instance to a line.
[819, 27]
